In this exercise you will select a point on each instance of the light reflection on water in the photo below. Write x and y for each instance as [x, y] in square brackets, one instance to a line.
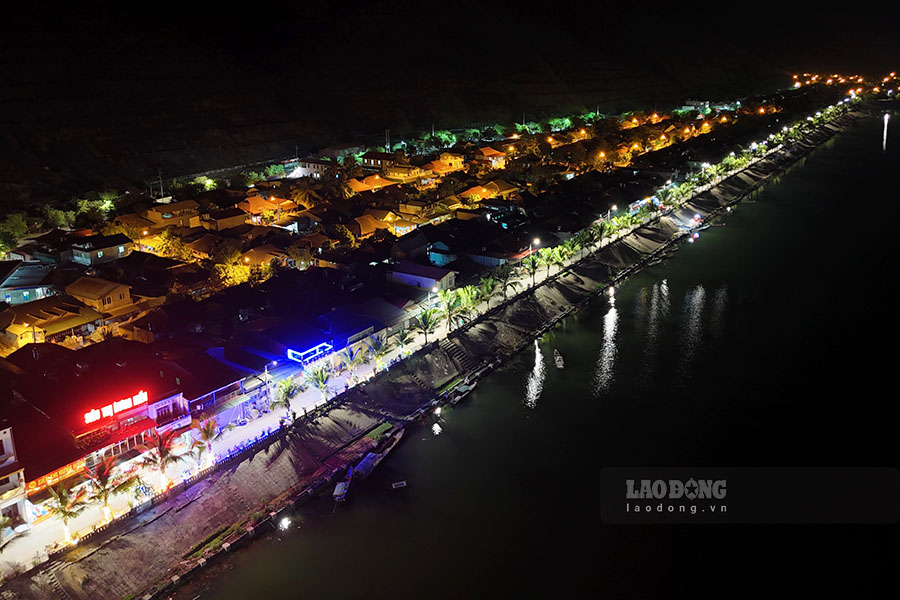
[659, 312]
[535, 383]
[717, 318]
[692, 332]
[606, 363]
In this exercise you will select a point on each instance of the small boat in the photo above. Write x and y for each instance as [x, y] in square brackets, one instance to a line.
[341, 489]
[462, 391]
[558, 359]
[398, 484]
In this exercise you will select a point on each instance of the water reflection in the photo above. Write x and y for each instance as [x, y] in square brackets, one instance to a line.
[887, 117]
[535, 383]
[692, 334]
[717, 318]
[659, 311]
[606, 364]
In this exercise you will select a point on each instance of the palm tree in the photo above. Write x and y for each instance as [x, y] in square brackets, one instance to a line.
[558, 257]
[531, 263]
[66, 506]
[469, 297]
[428, 321]
[378, 347]
[208, 432]
[161, 454]
[352, 359]
[505, 275]
[319, 378]
[284, 391]
[448, 298]
[546, 257]
[403, 338]
[105, 483]
[487, 287]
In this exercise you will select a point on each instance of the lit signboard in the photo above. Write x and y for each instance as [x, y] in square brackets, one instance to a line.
[55, 477]
[118, 406]
[311, 354]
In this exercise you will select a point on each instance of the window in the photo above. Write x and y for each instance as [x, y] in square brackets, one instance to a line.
[121, 249]
[100, 254]
[178, 380]
[121, 296]
[25, 295]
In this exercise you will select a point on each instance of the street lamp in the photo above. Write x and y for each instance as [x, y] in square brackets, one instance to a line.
[434, 290]
[534, 242]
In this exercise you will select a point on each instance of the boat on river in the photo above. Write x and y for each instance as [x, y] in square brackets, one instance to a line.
[341, 489]
[558, 359]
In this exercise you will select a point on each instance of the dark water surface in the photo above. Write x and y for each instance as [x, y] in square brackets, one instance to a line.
[770, 342]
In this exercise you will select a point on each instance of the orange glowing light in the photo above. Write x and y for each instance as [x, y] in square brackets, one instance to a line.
[550, 140]
[762, 111]
[687, 129]
[603, 155]
[724, 119]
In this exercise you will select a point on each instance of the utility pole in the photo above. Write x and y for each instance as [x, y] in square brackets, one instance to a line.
[387, 140]
[161, 192]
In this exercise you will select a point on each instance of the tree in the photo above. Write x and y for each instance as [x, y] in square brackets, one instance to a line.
[106, 483]
[505, 275]
[403, 338]
[227, 252]
[301, 257]
[172, 246]
[352, 359]
[531, 264]
[342, 233]
[161, 454]
[428, 321]
[319, 377]
[378, 348]
[487, 287]
[469, 297]
[66, 506]
[284, 391]
[207, 432]
[229, 275]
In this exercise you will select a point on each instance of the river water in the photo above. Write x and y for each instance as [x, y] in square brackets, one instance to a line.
[769, 342]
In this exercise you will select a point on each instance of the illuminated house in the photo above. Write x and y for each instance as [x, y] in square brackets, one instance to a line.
[489, 156]
[426, 277]
[12, 481]
[312, 167]
[179, 214]
[98, 249]
[72, 408]
[22, 281]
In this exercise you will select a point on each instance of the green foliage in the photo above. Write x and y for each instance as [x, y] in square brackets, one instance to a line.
[229, 275]
[276, 170]
[344, 235]
[559, 123]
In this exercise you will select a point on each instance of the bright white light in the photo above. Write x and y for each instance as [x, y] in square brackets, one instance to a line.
[696, 235]
[437, 411]
[612, 290]
[697, 217]
[436, 429]
[284, 524]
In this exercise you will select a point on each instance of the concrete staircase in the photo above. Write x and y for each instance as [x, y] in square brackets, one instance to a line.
[458, 355]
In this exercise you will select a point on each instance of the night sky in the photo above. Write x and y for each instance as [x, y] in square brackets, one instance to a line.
[102, 94]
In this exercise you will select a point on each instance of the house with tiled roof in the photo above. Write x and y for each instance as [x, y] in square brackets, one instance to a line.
[378, 160]
[494, 158]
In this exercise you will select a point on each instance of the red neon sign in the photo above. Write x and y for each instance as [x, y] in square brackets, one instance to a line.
[116, 407]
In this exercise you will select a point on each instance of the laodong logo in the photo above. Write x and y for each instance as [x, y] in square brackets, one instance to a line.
[675, 489]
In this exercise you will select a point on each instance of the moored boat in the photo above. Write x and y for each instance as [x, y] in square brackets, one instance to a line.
[558, 359]
[341, 489]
